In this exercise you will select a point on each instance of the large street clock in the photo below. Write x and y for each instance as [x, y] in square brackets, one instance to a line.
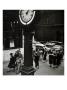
[26, 16]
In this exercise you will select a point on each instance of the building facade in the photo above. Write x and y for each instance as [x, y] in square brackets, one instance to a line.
[50, 27]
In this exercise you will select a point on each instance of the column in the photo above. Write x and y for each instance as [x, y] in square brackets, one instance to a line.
[28, 69]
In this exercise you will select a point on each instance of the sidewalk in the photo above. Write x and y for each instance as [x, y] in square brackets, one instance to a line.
[44, 69]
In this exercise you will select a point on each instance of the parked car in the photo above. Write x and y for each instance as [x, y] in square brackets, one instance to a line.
[39, 46]
[54, 45]
[48, 45]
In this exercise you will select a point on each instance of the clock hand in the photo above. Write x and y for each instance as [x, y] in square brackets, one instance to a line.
[27, 12]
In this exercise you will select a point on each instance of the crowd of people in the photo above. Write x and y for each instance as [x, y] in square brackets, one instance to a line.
[54, 60]
[16, 61]
[39, 55]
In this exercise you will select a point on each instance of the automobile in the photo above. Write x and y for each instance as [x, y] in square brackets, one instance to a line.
[39, 46]
[48, 45]
[57, 47]
[53, 44]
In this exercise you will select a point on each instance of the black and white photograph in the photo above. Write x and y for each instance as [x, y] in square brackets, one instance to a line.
[33, 42]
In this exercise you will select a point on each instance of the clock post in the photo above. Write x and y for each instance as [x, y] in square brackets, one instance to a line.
[27, 69]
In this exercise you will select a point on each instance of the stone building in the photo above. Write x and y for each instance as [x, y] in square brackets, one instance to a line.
[49, 27]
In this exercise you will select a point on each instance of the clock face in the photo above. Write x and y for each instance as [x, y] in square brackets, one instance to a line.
[26, 16]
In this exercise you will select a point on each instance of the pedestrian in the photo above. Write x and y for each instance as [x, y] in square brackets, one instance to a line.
[42, 52]
[19, 61]
[58, 58]
[45, 54]
[37, 59]
[11, 62]
[50, 59]
[54, 59]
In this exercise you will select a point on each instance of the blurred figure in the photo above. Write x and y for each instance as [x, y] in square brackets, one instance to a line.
[41, 54]
[33, 54]
[19, 61]
[36, 60]
[16, 54]
[12, 61]
[54, 59]
[50, 59]
[58, 58]
[61, 55]
[45, 54]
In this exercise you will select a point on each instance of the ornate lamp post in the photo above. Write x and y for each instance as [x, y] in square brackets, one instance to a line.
[26, 17]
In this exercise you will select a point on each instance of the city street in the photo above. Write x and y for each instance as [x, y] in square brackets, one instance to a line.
[29, 34]
[44, 68]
